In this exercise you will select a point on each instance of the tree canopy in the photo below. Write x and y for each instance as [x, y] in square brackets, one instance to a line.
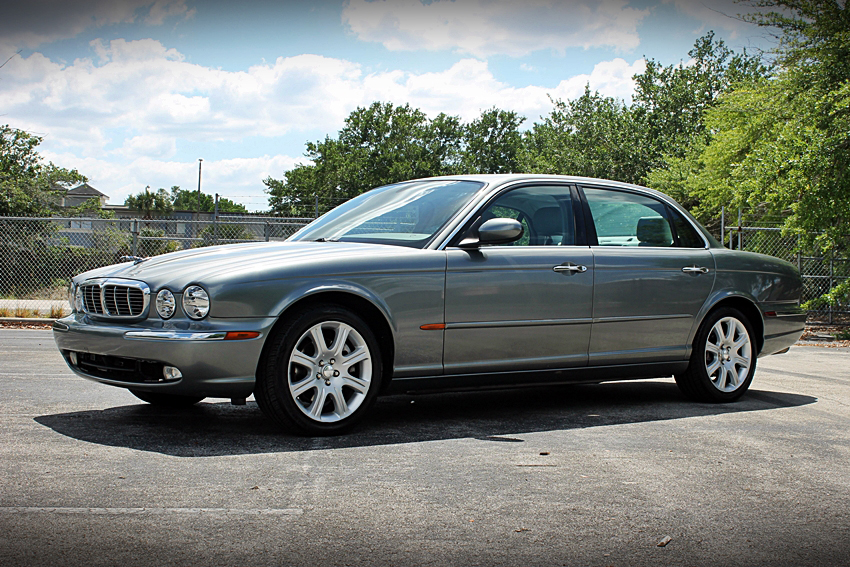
[27, 185]
[187, 200]
[781, 145]
[592, 135]
[383, 144]
[164, 201]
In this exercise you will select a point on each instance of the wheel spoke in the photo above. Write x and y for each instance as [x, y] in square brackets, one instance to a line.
[303, 386]
[713, 349]
[318, 339]
[721, 377]
[299, 357]
[357, 384]
[712, 368]
[339, 402]
[340, 339]
[318, 403]
[358, 355]
[729, 334]
[717, 332]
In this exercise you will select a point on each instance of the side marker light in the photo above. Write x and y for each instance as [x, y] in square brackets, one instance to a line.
[241, 335]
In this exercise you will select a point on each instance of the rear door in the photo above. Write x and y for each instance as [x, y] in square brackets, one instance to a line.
[653, 273]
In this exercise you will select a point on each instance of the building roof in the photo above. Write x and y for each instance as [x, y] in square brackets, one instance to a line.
[85, 189]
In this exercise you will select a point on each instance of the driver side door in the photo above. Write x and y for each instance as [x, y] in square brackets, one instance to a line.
[526, 305]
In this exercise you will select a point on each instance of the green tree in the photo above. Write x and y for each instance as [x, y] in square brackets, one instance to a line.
[493, 142]
[378, 145]
[782, 145]
[147, 202]
[185, 200]
[592, 136]
[670, 102]
[28, 186]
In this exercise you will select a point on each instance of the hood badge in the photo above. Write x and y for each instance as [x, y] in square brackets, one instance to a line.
[134, 259]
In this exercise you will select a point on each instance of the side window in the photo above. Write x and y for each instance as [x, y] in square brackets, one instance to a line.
[545, 212]
[686, 233]
[628, 219]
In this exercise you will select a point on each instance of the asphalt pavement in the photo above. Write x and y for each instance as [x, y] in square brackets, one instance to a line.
[568, 475]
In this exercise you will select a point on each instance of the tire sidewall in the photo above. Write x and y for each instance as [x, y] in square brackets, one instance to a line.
[277, 368]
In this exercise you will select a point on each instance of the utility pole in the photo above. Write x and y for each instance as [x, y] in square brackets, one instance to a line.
[198, 214]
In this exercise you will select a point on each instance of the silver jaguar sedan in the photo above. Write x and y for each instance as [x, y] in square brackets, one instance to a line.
[440, 283]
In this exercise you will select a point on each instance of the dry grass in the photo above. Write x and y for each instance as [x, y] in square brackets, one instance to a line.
[5, 312]
[23, 312]
[57, 312]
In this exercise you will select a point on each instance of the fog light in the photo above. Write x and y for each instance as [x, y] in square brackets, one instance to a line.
[73, 356]
[171, 373]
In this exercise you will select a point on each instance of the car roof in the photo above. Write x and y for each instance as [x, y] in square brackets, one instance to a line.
[496, 179]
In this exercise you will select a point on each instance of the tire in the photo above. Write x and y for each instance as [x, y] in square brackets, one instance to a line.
[166, 400]
[321, 371]
[723, 359]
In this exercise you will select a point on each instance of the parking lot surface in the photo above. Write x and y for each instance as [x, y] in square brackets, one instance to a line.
[568, 475]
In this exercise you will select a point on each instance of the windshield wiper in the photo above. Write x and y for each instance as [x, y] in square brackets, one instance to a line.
[326, 240]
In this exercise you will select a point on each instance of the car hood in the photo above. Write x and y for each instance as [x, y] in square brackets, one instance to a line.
[256, 261]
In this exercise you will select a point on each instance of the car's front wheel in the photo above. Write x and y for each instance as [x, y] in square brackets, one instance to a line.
[166, 400]
[723, 359]
[321, 372]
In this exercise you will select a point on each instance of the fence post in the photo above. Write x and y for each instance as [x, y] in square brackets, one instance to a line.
[740, 231]
[266, 230]
[799, 259]
[831, 282]
[722, 223]
[215, 221]
[134, 229]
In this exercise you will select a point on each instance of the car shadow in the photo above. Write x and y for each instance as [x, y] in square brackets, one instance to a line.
[218, 429]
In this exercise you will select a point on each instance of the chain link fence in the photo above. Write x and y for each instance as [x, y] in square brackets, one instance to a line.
[39, 256]
[821, 274]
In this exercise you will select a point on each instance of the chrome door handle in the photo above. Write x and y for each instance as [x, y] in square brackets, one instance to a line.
[695, 270]
[570, 267]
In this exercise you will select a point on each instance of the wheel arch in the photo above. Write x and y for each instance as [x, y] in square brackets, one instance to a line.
[361, 304]
[747, 306]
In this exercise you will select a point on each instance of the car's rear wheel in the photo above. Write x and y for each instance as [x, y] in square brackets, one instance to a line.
[166, 400]
[321, 372]
[723, 359]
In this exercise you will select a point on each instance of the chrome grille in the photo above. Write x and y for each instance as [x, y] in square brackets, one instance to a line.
[91, 299]
[124, 299]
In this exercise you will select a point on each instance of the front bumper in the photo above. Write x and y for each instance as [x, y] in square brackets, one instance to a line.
[133, 355]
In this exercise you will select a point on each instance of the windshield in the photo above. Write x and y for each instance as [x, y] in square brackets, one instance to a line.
[404, 214]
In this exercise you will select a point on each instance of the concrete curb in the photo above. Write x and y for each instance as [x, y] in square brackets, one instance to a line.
[45, 320]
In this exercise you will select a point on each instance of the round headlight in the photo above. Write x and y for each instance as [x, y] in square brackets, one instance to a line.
[196, 302]
[165, 303]
[78, 299]
[72, 292]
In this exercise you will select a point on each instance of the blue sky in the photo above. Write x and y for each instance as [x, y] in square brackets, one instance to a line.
[133, 92]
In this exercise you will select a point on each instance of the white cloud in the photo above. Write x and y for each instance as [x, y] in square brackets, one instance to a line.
[36, 22]
[124, 119]
[147, 90]
[489, 27]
